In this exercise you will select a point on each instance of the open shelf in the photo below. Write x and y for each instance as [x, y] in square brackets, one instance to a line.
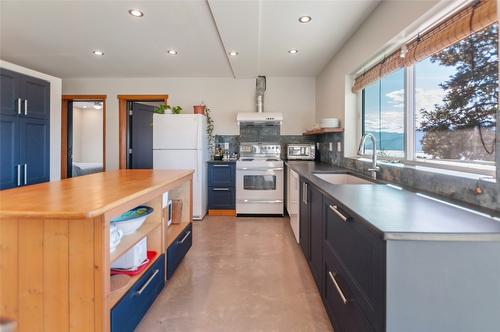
[128, 241]
[173, 232]
[115, 296]
[320, 131]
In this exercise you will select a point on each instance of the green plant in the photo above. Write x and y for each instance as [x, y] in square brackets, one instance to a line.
[175, 109]
[210, 131]
[163, 107]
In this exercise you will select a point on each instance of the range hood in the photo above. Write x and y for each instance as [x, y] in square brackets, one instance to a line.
[259, 117]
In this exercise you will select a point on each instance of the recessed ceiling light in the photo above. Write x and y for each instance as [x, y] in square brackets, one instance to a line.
[98, 52]
[172, 52]
[305, 19]
[293, 51]
[233, 53]
[136, 12]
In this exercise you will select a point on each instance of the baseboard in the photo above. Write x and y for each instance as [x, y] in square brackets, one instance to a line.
[230, 213]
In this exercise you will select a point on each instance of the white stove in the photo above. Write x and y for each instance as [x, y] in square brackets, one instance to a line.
[259, 179]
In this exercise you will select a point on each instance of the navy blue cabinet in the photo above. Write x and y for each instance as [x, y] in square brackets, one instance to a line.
[25, 130]
[128, 312]
[221, 185]
[178, 249]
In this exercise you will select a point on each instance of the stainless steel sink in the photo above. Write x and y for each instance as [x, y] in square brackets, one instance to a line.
[341, 178]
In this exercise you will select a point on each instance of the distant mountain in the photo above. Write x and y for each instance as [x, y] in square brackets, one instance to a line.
[396, 141]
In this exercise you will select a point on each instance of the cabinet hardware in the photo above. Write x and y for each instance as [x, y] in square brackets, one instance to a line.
[184, 238]
[304, 193]
[221, 165]
[19, 106]
[18, 174]
[221, 189]
[334, 208]
[261, 169]
[342, 296]
[260, 201]
[26, 107]
[25, 174]
[148, 282]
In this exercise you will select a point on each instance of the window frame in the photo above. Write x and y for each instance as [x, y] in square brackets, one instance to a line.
[410, 158]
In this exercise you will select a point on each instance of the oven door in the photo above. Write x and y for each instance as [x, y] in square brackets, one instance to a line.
[259, 190]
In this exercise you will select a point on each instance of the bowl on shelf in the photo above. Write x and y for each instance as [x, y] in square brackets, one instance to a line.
[329, 123]
[115, 236]
[131, 220]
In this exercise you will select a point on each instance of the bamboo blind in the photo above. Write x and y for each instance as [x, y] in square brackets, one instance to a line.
[472, 19]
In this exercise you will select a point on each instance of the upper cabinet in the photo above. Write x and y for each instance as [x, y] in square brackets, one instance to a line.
[25, 129]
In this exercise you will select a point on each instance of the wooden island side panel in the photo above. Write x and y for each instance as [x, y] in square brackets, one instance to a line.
[54, 271]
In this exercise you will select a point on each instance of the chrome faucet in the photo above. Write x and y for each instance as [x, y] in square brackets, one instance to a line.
[374, 167]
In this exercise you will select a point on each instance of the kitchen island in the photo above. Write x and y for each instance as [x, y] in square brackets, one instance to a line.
[55, 248]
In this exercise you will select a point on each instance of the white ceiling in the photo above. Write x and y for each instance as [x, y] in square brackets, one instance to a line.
[57, 37]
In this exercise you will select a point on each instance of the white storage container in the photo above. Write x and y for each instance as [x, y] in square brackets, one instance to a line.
[133, 258]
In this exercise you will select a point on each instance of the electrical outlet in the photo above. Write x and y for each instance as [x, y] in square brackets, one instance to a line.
[226, 146]
[339, 147]
[317, 145]
[330, 146]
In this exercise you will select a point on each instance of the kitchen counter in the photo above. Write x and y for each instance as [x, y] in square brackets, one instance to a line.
[401, 214]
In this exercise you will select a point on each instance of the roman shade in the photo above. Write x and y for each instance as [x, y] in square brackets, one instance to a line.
[469, 20]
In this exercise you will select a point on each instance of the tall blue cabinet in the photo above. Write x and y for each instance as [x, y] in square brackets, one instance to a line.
[24, 129]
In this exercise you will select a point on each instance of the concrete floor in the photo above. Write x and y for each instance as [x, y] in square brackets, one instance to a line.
[243, 275]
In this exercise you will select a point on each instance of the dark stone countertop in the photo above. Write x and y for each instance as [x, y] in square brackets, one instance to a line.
[401, 214]
[211, 161]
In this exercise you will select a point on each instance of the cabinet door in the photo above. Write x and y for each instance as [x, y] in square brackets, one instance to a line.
[221, 174]
[34, 150]
[221, 198]
[9, 151]
[341, 302]
[317, 233]
[36, 97]
[305, 222]
[10, 102]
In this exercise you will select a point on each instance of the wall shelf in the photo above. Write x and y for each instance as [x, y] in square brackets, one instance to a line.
[320, 131]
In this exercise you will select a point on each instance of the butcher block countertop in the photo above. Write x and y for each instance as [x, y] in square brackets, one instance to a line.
[87, 196]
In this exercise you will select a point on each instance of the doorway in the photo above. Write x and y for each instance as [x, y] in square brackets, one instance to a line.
[83, 135]
[136, 129]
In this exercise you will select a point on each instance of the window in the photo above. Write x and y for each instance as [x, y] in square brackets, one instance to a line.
[451, 109]
[456, 99]
[383, 114]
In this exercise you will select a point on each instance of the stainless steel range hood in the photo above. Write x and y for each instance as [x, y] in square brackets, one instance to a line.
[259, 116]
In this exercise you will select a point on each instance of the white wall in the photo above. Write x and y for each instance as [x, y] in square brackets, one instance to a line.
[293, 96]
[87, 135]
[55, 114]
[388, 22]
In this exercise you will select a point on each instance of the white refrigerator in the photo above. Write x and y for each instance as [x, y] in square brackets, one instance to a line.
[180, 141]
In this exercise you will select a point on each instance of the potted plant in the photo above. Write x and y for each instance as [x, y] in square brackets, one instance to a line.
[199, 109]
[169, 109]
[210, 131]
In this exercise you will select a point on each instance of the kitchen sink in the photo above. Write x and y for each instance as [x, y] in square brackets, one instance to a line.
[341, 178]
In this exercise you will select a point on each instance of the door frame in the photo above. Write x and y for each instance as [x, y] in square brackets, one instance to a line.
[64, 128]
[122, 121]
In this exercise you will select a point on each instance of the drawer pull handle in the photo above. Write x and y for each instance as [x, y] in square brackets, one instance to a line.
[184, 238]
[221, 165]
[25, 174]
[221, 189]
[344, 299]
[18, 175]
[26, 107]
[334, 208]
[148, 282]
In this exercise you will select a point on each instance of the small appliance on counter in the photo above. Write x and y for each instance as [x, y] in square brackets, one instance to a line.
[300, 151]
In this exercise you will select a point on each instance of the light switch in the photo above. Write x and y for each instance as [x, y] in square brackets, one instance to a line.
[339, 147]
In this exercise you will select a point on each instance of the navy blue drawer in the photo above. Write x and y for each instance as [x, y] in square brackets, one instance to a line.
[221, 198]
[221, 174]
[128, 312]
[178, 249]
